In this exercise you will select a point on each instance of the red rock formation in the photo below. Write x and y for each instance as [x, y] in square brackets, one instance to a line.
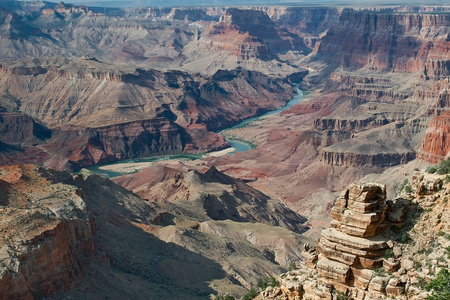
[184, 111]
[80, 146]
[436, 144]
[364, 160]
[47, 241]
[250, 34]
[385, 41]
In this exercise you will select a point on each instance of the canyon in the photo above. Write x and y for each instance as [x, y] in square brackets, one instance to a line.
[87, 86]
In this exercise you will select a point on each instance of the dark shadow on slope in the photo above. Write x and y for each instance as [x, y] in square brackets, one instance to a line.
[4, 192]
[131, 263]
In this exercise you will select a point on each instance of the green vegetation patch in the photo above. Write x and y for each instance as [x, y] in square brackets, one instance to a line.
[405, 185]
[250, 295]
[440, 286]
[388, 254]
[441, 169]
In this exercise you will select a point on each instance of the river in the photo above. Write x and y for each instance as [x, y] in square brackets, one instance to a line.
[134, 165]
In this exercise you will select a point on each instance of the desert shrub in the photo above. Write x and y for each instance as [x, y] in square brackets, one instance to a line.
[421, 282]
[263, 283]
[408, 188]
[417, 266]
[339, 295]
[250, 295]
[440, 286]
[447, 251]
[273, 282]
[224, 297]
[379, 272]
[404, 238]
[443, 167]
[292, 266]
[447, 179]
[388, 254]
[402, 186]
[431, 170]
[441, 259]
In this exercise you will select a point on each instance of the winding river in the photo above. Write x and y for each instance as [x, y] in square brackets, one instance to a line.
[134, 165]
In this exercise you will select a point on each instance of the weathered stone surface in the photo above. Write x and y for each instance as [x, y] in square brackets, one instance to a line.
[333, 270]
[396, 210]
[356, 242]
[407, 264]
[362, 277]
[47, 234]
[346, 258]
[351, 242]
[369, 275]
[436, 144]
[395, 288]
[390, 265]
[377, 286]
[360, 209]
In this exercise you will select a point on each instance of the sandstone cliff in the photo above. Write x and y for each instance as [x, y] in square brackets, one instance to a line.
[46, 234]
[361, 39]
[436, 144]
[354, 259]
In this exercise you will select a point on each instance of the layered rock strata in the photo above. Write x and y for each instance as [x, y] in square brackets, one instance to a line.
[46, 234]
[361, 39]
[395, 264]
[436, 144]
[349, 250]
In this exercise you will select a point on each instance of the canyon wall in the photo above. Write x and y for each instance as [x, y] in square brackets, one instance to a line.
[436, 144]
[102, 114]
[385, 41]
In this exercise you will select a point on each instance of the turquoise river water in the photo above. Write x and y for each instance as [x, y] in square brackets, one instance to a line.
[238, 145]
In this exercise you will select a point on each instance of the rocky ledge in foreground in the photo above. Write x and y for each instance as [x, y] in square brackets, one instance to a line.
[375, 249]
[46, 235]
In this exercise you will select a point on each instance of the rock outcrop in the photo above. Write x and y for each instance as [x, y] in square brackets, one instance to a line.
[47, 236]
[220, 196]
[349, 249]
[19, 129]
[75, 147]
[250, 34]
[436, 144]
[375, 249]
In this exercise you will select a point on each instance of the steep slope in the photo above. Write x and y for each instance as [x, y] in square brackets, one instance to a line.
[69, 236]
[435, 146]
[101, 113]
[47, 234]
[385, 40]
[213, 194]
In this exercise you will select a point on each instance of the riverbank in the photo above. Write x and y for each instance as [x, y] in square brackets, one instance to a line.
[237, 145]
